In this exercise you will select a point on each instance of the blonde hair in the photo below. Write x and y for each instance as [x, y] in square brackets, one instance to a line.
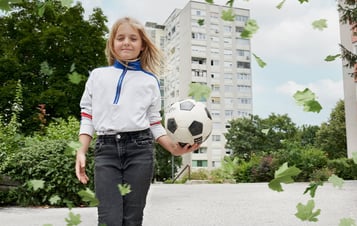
[151, 57]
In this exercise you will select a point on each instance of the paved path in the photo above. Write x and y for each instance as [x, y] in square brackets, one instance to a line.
[214, 205]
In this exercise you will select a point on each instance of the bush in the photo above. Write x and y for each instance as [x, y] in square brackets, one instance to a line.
[344, 168]
[51, 161]
[308, 160]
[263, 169]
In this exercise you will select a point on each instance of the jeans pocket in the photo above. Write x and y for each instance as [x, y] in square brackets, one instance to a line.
[98, 147]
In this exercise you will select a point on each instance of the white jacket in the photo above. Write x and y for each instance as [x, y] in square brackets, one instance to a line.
[121, 99]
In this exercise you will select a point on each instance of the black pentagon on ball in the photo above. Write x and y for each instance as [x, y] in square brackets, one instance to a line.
[196, 128]
[208, 114]
[186, 105]
[171, 125]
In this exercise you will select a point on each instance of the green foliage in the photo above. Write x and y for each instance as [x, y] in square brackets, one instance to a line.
[39, 42]
[319, 24]
[88, 196]
[347, 222]
[306, 98]
[73, 219]
[124, 189]
[331, 137]
[344, 168]
[201, 22]
[228, 15]
[47, 166]
[332, 57]
[312, 188]
[285, 175]
[260, 62]
[262, 169]
[336, 181]
[308, 160]
[199, 92]
[250, 29]
[306, 212]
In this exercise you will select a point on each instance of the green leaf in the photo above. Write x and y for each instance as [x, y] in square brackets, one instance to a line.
[41, 7]
[199, 92]
[259, 61]
[72, 148]
[302, 1]
[47, 225]
[228, 15]
[312, 188]
[66, 3]
[73, 219]
[280, 5]
[45, 68]
[36, 184]
[319, 24]
[201, 22]
[250, 28]
[230, 3]
[347, 222]
[332, 57]
[5, 4]
[354, 157]
[306, 98]
[305, 212]
[283, 175]
[124, 189]
[75, 77]
[54, 199]
[336, 181]
[209, 1]
[73, 67]
[88, 196]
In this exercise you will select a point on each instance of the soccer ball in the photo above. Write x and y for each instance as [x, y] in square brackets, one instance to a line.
[188, 122]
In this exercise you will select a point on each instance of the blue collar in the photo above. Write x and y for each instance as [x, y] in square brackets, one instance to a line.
[135, 65]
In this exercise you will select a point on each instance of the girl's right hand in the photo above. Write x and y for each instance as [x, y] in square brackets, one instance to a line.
[80, 167]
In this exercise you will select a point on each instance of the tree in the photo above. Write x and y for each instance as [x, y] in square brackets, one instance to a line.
[332, 135]
[51, 48]
[245, 137]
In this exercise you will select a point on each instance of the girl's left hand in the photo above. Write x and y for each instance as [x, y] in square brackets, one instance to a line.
[186, 149]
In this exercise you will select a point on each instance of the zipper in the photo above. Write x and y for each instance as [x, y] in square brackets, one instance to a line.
[120, 83]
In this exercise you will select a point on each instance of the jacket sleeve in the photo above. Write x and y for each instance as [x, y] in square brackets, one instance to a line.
[86, 126]
[154, 115]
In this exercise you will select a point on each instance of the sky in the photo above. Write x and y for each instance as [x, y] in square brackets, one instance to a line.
[286, 41]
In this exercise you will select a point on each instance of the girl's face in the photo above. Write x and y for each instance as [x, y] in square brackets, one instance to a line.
[127, 42]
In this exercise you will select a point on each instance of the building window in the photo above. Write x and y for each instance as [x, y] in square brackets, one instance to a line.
[243, 76]
[216, 137]
[244, 88]
[242, 41]
[201, 150]
[228, 77]
[199, 73]
[245, 100]
[198, 36]
[199, 163]
[198, 12]
[241, 18]
[227, 28]
[215, 75]
[198, 60]
[215, 87]
[214, 62]
[228, 88]
[215, 113]
[228, 113]
[245, 65]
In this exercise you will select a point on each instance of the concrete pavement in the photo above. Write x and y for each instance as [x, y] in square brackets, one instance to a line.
[250, 204]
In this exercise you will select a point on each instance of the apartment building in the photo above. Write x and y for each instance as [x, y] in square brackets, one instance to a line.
[201, 47]
[349, 41]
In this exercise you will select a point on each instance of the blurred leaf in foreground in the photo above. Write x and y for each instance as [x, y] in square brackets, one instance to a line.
[313, 187]
[283, 175]
[88, 196]
[305, 212]
[347, 222]
[259, 61]
[336, 181]
[306, 98]
[319, 24]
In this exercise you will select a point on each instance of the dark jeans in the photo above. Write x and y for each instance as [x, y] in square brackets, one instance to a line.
[124, 158]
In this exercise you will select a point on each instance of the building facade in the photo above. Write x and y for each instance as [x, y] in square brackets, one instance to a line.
[349, 40]
[200, 47]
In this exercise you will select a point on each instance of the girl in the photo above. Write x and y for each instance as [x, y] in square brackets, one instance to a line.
[121, 103]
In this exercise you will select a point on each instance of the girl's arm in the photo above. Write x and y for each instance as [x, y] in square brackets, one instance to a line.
[85, 140]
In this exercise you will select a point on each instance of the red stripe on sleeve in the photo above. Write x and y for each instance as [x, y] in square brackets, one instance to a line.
[83, 114]
[155, 123]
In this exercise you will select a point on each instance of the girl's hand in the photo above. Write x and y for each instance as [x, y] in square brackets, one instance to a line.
[178, 150]
[80, 167]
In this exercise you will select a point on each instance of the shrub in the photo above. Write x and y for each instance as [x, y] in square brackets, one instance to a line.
[307, 160]
[52, 161]
[344, 168]
[263, 169]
